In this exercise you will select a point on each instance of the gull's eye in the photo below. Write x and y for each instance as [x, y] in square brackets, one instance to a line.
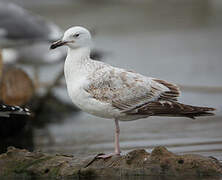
[76, 35]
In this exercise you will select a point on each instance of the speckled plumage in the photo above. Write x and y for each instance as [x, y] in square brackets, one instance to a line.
[115, 93]
[126, 90]
[112, 92]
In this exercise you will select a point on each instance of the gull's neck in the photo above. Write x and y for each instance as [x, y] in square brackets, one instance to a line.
[76, 62]
[79, 55]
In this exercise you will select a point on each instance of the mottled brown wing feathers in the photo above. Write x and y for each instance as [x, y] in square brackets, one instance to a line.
[173, 92]
[170, 108]
[131, 103]
[155, 93]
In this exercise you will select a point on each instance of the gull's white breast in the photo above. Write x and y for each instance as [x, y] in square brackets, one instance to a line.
[85, 102]
[76, 80]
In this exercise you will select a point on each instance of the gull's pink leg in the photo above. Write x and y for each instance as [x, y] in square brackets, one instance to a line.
[117, 147]
[117, 131]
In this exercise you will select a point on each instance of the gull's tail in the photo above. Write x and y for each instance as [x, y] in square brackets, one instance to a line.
[173, 109]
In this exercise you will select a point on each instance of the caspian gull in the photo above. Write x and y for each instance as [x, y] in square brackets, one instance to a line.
[115, 93]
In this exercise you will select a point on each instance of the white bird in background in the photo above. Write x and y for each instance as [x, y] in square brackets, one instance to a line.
[25, 38]
[114, 93]
[18, 26]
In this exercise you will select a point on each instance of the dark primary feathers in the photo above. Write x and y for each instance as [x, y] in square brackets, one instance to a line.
[171, 109]
[167, 105]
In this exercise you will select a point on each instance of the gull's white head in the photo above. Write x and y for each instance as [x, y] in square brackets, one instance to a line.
[75, 37]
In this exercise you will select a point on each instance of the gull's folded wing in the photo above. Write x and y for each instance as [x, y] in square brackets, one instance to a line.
[126, 90]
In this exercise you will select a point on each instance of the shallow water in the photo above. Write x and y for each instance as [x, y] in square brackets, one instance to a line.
[179, 41]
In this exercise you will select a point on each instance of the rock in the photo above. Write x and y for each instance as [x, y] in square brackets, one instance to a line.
[20, 162]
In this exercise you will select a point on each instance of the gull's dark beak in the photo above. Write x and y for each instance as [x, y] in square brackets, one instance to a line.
[57, 44]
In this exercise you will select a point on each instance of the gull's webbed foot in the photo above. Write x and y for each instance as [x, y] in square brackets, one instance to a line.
[106, 156]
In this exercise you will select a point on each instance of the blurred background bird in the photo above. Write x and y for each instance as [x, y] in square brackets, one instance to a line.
[25, 37]
[20, 27]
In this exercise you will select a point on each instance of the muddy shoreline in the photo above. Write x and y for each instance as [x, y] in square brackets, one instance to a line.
[160, 162]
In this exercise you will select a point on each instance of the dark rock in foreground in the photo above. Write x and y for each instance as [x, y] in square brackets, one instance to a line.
[17, 162]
